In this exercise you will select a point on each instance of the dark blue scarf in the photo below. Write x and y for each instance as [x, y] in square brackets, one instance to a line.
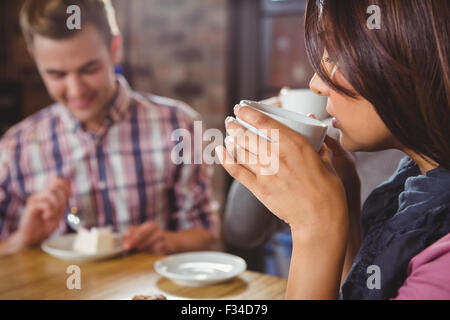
[400, 218]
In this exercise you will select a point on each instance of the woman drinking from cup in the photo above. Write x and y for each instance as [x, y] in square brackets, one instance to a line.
[387, 87]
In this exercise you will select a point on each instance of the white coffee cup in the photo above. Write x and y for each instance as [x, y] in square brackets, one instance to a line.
[314, 130]
[304, 101]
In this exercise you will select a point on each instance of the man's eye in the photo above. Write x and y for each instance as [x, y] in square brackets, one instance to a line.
[91, 70]
[57, 75]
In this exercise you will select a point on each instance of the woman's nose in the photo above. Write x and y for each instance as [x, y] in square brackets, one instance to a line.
[318, 86]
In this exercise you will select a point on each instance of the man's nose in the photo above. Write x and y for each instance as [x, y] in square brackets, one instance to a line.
[318, 86]
[75, 86]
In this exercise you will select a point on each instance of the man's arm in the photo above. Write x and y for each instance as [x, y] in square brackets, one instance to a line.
[150, 238]
[195, 218]
[39, 218]
[8, 242]
[10, 245]
[193, 224]
[189, 240]
[38, 215]
[191, 220]
[247, 223]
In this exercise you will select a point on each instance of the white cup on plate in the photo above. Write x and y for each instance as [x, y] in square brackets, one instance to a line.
[304, 101]
[314, 130]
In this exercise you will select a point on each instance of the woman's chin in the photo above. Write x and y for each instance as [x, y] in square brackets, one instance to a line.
[353, 146]
[349, 145]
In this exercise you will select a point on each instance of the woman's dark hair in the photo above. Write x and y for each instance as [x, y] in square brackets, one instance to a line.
[402, 68]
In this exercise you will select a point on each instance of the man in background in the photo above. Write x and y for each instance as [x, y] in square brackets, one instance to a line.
[101, 148]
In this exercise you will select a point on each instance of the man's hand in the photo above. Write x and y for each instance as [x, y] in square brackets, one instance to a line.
[42, 213]
[146, 237]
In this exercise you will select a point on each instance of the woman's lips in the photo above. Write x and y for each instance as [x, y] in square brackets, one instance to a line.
[335, 122]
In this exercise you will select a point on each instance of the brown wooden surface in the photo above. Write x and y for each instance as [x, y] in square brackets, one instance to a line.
[33, 274]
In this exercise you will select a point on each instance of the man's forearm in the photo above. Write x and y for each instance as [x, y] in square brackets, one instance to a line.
[189, 240]
[10, 245]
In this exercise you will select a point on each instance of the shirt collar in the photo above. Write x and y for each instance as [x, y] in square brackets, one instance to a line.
[121, 102]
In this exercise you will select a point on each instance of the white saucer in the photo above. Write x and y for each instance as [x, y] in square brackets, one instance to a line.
[200, 268]
[62, 247]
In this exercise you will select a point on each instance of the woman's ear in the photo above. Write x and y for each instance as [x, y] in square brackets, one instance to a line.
[116, 49]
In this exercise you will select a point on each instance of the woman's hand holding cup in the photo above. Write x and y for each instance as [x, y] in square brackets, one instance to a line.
[306, 191]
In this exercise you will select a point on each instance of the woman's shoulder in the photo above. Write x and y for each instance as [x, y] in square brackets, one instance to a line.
[408, 171]
[424, 192]
[428, 276]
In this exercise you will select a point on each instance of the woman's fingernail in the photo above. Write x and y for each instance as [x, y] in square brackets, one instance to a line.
[228, 120]
[228, 140]
[236, 108]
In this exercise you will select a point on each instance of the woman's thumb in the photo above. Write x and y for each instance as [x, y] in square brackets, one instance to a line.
[326, 154]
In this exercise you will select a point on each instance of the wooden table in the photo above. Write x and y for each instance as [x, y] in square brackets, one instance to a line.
[33, 274]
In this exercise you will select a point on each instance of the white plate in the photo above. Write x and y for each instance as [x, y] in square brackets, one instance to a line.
[62, 248]
[200, 268]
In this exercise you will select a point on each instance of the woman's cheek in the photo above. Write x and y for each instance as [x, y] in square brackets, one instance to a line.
[349, 138]
[355, 131]
[365, 133]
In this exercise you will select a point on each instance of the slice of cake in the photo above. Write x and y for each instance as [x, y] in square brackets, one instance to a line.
[94, 241]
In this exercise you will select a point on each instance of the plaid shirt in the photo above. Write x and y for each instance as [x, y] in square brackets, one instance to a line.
[122, 175]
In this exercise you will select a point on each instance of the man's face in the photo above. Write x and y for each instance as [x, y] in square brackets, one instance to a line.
[78, 72]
